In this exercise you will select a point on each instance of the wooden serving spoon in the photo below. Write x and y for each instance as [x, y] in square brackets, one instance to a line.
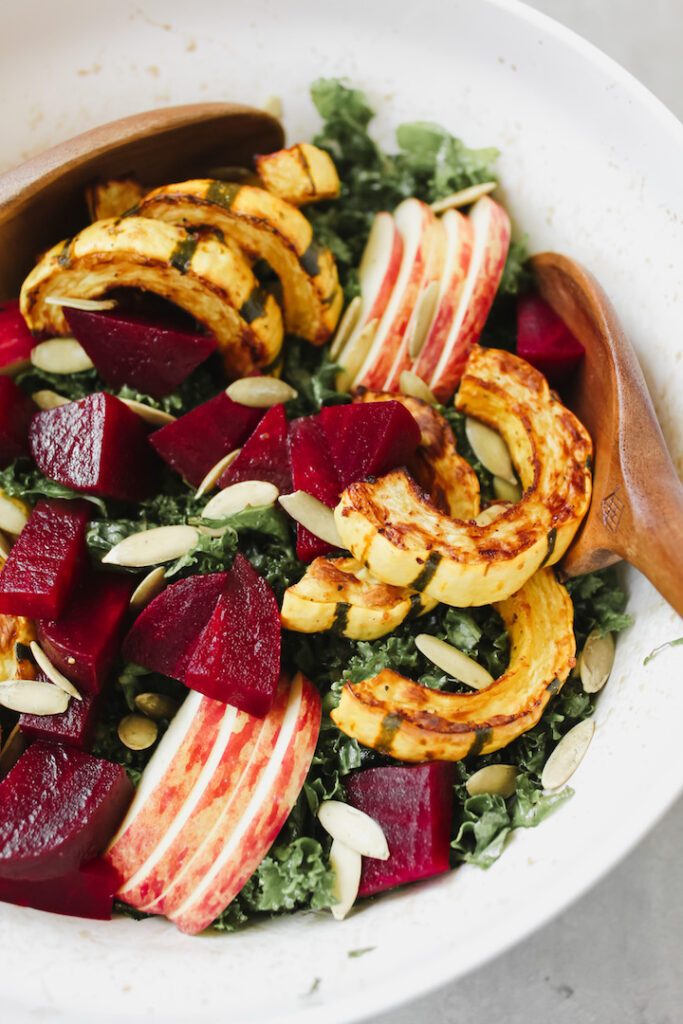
[636, 510]
[42, 200]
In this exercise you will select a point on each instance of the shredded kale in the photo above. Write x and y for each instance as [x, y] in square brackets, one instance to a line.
[662, 647]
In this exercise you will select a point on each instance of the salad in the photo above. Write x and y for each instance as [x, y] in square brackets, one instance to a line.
[295, 641]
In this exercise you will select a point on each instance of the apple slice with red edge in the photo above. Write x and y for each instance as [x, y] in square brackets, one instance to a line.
[313, 471]
[16, 412]
[16, 341]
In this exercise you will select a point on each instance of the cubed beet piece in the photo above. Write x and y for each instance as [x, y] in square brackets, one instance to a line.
[312, 471]
[134, 350]
[87, 892]
[237, 657]
[76, 726]
[166, 632]
[60, 807]
[264, 455]
[369, 438]
[97, 446]
[544, 340]
[84, 641]
[414, 806]
[196, 441]
[16, 412]
[16, 341]
[46, 561]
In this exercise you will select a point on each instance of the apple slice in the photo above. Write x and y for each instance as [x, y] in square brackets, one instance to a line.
[16, 341]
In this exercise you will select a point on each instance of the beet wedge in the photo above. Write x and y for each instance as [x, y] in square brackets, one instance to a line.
[97, 446]
[61, 807]
[368, 438]
[414, 807]
[87, 892]
[47, 560]
[264, 455]
[75, 727]
[134, 350]
[237, 657]
[16, 341]
[16, 412]
[312, 471]
[544, 340]
[196, 441]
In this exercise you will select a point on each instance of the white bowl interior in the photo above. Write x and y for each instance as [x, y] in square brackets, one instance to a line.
[591, 166]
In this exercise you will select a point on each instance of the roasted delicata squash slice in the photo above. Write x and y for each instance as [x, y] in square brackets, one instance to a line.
[112, 198]
[202, 274]
[447, 478]
[392, 527]
[301, 174]
[266, 227]
[397, 716]
[339, 595]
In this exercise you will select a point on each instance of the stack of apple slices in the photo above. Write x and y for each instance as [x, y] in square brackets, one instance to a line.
[427, 285]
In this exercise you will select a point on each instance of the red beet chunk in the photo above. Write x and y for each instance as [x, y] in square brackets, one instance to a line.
[313, 472]
[195, 442]
[369, 438]
[97, 446]
[84, 641]
[167, 630]
[16, 341]
[47, 560]
[264, 455]
[414, 806]
[76, 727]
[544, 340]
[131, 349]
[60, 807]
[237, 658]
[88, 892]
[16, 412]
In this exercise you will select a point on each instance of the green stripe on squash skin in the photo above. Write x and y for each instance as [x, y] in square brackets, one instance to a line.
[426, 574]
[341, 618]
[64, 258]
[310, 260]
[552, 537]
[482, 737]
[223, 193]
[554, 686]
[22, 652]
[181, 257]
[391, 723]
[254, 307]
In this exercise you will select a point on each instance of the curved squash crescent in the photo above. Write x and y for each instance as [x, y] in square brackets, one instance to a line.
[396, 716]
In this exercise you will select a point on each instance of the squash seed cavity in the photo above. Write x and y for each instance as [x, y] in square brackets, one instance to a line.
[260, 392]
[216, 472]
[490, 448]
[464, 197]
[33, 697]
[422, 319]
[347, 325]
[596, 660]
[495, 779]
[149, 547]
[148, 589]
[567, 755]
[449, 659]
[354, 828]
[414, 387]
[346, 865]
[237, 497]
[137, 732]
[60, 355]
[52, 672]
[157, 417]
[156, 705]
[47, 399]
[313, 515]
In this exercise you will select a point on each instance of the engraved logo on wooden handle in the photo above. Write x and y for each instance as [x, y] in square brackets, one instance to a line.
[612, 508]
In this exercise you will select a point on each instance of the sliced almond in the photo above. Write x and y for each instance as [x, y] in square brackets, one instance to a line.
[464, 197]
[506, 491]
[347, 325]
[596, 660]
[346, 864]
[495, 779]
[88, 305]
[216, 472]
[148, 588]
[354, 828]
[47, 399]
[260, 392]
[312, 514]
[410, 384]
[5, 546]
[237, 497]
[13, 519]
[12, 749]
[567, 755]
[489, 514]
[453, 661]
[490, 448]
[157, 417]
[60, 355]
[354, 353]
[422, 318]
[33, 697]
[156, 705]
[52, 672]
[137, 732]
[150, 547]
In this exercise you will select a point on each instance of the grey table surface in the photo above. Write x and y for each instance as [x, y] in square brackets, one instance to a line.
[616, 956]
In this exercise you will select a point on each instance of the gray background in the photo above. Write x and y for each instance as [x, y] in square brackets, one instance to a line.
[616, 956]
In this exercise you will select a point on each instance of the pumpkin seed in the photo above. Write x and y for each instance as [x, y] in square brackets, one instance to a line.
[33, 697]
[12, 749]
[354, 354]
[52, 672]
[157, 417]
[137, 732]
[89, 305]
[5, 546]
[148, 588]
[216, 472]
[313, 515]
[453, 661]
[489, 514]
[490, 448]
[496, 779]
[346, 865]
[60, 355]
[47, 399]
[273, 106]
[237, 497]
[567, 755]
[596, 660]
[410, 384]
[260, 392]
[13, 518]
[347, 325]
[506, 491]
[149, 547]
[422, 318]
[464, 197]
[354, 828]
[156, 705]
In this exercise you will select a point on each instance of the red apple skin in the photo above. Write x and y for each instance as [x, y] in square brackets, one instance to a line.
[16, 341]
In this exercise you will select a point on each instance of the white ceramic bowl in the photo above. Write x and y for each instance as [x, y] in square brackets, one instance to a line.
[592, 165]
